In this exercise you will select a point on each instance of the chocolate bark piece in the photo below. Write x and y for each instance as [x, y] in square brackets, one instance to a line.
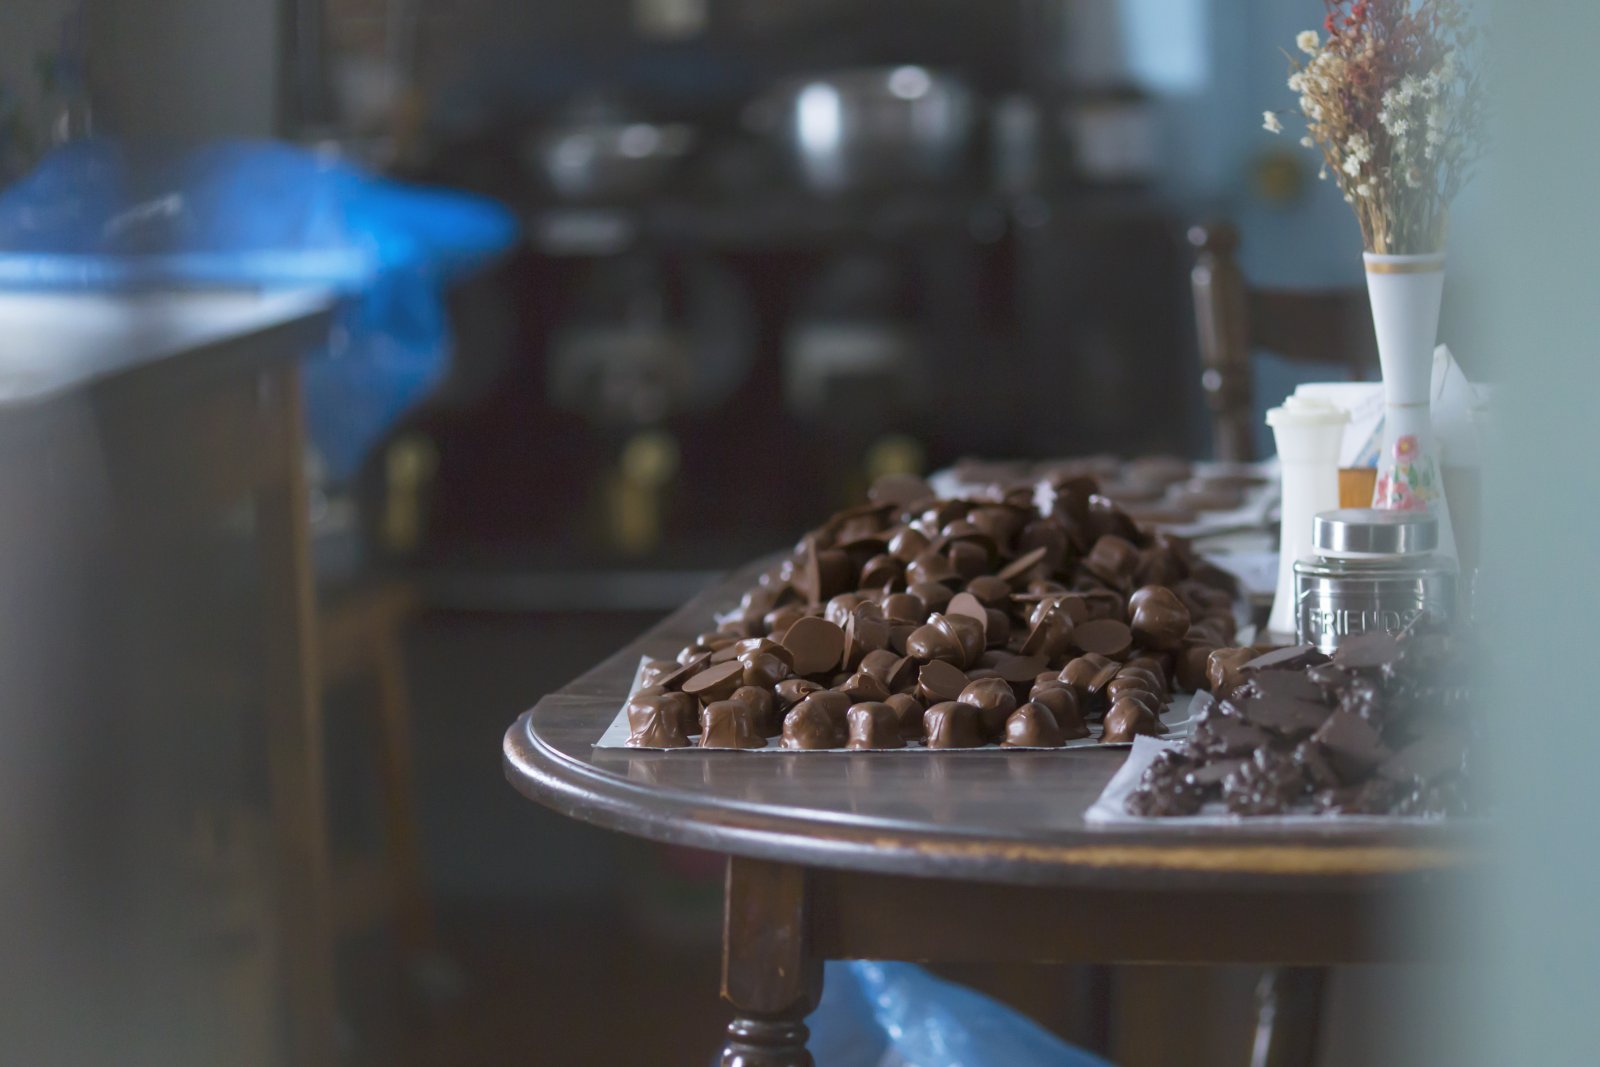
[816, 644]
[1282, 685]
[1368, 651]
[1288, 718]
[873, 724]
[728, 724]
[809, 726]
[1350, 743]
[1209, 776]
[1032, 726]
[994, 700]
[658, 718]
[939, 681]
[951, 724]
[715, 683]
[1427, 759]
[1314, 766]
[1104, 637]
[1268, 783]
[1289, 658]
[1127, 719]
[1227, 736]
[908, 715]
[764, 717]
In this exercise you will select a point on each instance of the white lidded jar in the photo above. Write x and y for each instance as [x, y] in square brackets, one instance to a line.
[1308, 431]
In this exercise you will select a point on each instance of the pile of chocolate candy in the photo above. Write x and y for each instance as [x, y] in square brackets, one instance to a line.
[1381, 727]
[1017, 621]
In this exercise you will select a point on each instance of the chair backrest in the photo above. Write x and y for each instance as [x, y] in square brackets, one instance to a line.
[1233, 319]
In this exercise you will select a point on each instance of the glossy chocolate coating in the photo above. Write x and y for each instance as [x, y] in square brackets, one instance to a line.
[907, 543]
[660, 719]
[655, 670]
[764, 717]
[838, 609]
[763, 669]
[792, 691]
[1113, 560]
[930, 566]
[935, 596]
[728, 724]
[1032, 726]
[1160, 619]
[867, 631]
[904, 607]
[932, 642]
[816, 644]
[969, 634]
[1191, 668]
[873, 724]
[880, 571]
[1067, 709]
[1225, 669]
[809, 725]
[1104, 637]
[940, 681]
[994, 700]
[951, 725]
[1159, 669]
[863, 688]
[1050, 637]
[715, 683]
[1127, 719]
[908, 715]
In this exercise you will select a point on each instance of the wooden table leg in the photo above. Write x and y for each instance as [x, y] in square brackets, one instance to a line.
[769, 971]
[293, 703]
[1288, 1015]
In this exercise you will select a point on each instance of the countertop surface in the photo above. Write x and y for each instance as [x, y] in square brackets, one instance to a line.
[52, 344]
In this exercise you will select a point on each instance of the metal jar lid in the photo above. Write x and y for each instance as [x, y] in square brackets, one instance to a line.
[1369, 532]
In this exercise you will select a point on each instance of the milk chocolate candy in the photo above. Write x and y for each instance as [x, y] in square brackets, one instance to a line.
[1160, 566]
[1127, 719]
[728, 724]
[951, 725]
[907, 543]
[863, 688]
[866, 631]
[908, 715]
[777, 621]
[715, 683]
[935, 596]
[764, 717]
[1113, 560]
[791, 691]
[1020, 568]
[1108, 520]
[1123, 685]
[994, 700]
[1160, 669]
[940, 681]
[816, 644]
[1050, 637]
[998, 523]
[969, 634]
[881, 663]
[809, 725]
[1191, 666]
[653, 671]
[1048, 534]
[763, 669]
[881, 571]
[1159, 618]
[932, 643]
[838, 609]
[660, 719]
[968, 605]
[1104, 637]
[904, 607]
[873, 724]
[969, 558]
[1063, 705]
[1225, 669]
[1151, 702]
[1032, 726]
[930, 566]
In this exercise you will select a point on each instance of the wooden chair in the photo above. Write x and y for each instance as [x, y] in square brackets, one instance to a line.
[1234, 319]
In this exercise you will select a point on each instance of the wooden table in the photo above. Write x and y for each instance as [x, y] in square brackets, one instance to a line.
[962, 857]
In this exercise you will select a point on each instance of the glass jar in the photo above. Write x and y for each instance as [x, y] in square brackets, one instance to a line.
[1370, 570]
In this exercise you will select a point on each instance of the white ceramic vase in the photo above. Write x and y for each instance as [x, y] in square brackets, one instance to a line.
[1405, 292]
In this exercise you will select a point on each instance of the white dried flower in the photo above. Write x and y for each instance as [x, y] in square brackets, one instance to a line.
[1270, 123]
[1357, 147]
[1364, 190]
[1297, 82]
[1398, 127]
[1307, 142]
[1308, 41]
[1351, 166]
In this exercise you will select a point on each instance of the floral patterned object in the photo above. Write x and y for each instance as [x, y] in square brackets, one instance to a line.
[1410, 482]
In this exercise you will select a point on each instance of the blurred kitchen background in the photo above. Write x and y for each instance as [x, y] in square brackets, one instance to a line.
[764, 252]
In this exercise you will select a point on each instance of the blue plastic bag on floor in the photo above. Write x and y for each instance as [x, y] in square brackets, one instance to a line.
[876, 1014]
[101, 214]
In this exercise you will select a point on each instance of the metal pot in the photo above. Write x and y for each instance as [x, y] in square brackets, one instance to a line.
[600, 155]
[872, 128]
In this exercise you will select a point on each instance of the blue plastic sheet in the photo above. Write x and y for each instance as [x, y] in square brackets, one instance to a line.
[876, 1014]
[101, 214]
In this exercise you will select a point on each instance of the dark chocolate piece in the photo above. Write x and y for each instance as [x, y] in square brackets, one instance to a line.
[1104, 637]
[1159, 618]
[1127, 719]
[1352, 746]
[1289, 658]
[1063, 705]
